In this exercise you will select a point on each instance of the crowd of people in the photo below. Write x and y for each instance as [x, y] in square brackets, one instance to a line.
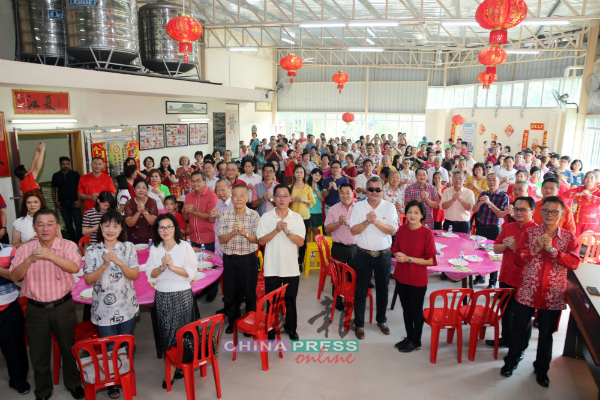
[276, 197]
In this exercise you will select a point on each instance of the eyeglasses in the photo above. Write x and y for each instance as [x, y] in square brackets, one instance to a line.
[488, 167]
[198, 181]
[282, 196]
[268, 171]
[522, 210]
[547, 212]
[372, 189]
[166, 228]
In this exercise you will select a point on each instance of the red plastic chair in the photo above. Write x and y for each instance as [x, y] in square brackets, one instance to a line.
[592, 241]
[325, 265]
[258, 323]
[96, 348]
[203, 353]
[260, 286]
[481, 316]
[340, 273]
[23, 303]
[402, 219]
[83, 331]
[84, 240]
[447, 317]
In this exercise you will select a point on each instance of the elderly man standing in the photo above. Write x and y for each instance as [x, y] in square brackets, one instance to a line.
[237, 234]
[458, 202]
[46, 267]
[374, 222]
[262, 193]
[196, 209]
[424, 192]
[437, 167]
[545, 253]
[223, 190]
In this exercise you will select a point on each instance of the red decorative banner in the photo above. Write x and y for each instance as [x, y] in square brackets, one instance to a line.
[545, 137]
[536, 127]
[35, 102]
[4, 163]
[453, 132]
[509, 130]
[99, 150]
[481, 129]
[132, 149]
[525, 140]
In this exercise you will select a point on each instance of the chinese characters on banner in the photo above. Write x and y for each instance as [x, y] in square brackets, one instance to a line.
[232, 129]
[468, 134]
[99, 150]
[4, 164]
[545, 137]
[536, 127]
[34, 102]
[116, 156]
[132, 149]
[525, 140]
[453, 132]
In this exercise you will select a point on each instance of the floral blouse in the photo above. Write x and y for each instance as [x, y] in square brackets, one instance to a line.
[185, 179]
[114, 299]
[394, 196]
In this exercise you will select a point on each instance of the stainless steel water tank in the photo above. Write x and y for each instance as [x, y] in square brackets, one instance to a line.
[156, 47]
[103, 26]
[41, 30]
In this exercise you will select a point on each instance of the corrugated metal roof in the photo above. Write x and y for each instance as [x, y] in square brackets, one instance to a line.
[324, 97]
[397, 97]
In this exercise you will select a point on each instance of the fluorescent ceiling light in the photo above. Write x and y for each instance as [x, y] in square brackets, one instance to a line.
[373, 24]
[40, 121]
[323, 25]
[370, 41]
[288, 41]
[460, 22]
[366, 49]
[194, 120]
[243, 49]
[546, 22]
[521, 51]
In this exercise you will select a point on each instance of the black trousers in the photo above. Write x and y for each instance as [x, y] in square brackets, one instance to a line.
[72, 215]
[12, 343]
[412, 299]
[458, 226]
[240, 275]
[343, 254]
[490, 232]
[437, 225]
[548, 321]
[302, 250]
[508, 319]
[365, 265]
[207, 246]
[274, 283]
[41, 323]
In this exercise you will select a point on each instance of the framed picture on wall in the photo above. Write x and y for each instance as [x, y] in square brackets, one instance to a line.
[151, 136]
[263, 106]
[177, 135]
[4, 163]
[178, 107]
[198, 134]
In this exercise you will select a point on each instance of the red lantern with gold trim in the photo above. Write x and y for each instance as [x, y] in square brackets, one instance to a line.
[500, 15]
[185, 30]
[291, 63]
[340, 78]
[458, 119]
[347, 118]
[486, 79]
[492, 56]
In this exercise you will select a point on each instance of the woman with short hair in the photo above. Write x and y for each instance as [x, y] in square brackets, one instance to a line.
[23, 232]
[140, 214]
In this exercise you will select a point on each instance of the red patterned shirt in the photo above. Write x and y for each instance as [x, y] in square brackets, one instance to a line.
[413, 192]
[509, 273]
[544, 276]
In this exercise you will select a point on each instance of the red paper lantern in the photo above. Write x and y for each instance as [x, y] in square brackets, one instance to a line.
[347, 118]
[500, 15]
[291, 63]
[487, 79]
[493, 55]
[185, 30]
[340, 78]
[458, 120]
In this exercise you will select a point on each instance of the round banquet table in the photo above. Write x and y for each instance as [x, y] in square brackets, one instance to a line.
[145, 292]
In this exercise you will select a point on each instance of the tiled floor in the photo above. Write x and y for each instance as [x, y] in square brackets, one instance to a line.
[378, 372]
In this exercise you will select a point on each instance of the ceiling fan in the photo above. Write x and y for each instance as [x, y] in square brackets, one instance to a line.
[438, 59]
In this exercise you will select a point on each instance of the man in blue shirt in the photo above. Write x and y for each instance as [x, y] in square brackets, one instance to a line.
[564, 168]
[331, 185]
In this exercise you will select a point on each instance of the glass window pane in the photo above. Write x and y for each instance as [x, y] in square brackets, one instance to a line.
[330, 129]
[308, 116]
[406, 117]
[491, 99]
[481, 96]
[330, 116]
[419, 117]
[379, 128]
[469, 94]
[449, 97]
[298, 115]
[517, 95]
[289, 127]
[309, 127]
[318, 127]
[289, 115]
[435, 97]
[391, 128]
[534, 93]
[379, 117]
[319, 116]
[548, 99]
[298, 126]
[459, 93]
[505, 96]
[393, 117]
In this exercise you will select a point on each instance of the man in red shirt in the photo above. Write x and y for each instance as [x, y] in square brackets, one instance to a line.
[26, 175]
[196, 209]
[545, 253]
[94, 183]
[510, 275]
[551, 187]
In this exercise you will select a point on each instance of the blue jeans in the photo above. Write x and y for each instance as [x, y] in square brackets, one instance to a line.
[72, 215]
[365, 266]
[124, 328]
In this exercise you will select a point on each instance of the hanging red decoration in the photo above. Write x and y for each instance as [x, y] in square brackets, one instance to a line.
[458, 120]
[500, 15]
[185, 30]
[291, 63]
[340, 78]
[492, 56]
[347, 118]
[487, 79]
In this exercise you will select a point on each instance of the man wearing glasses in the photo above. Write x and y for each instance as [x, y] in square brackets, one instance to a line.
[424, 192]
[262, 193]
[545, 253]
[282, 232]
[196, 210]
[373, 222]
[550, 187]
[510, 274]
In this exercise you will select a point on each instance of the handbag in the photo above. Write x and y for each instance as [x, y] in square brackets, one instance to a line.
[89, 373]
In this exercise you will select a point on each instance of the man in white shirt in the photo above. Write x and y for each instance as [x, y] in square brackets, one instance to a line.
[458, 202]
[209, 171]
[470, 161]
[223, 192]
[361, 180]
[250, 178]
[437, 167]
[373, 221]
[354, 151]
[528, 160]
[507, 174]
[282, 232]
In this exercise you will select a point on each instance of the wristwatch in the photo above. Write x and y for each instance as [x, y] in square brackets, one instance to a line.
[246, 235]
[551, 250]
[410, 259]
[289, 233]
[271, 199]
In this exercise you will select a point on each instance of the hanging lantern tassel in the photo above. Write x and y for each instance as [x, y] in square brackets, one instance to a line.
[185, 30]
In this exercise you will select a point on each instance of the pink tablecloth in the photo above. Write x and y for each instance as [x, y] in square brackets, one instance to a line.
[143, 289]
[453, 249]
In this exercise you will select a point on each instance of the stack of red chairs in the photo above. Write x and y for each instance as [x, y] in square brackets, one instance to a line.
[326, 261]
[344, 282]
[592, 241]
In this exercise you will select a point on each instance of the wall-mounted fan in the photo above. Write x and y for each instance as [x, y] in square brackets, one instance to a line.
[592, 87]
[562, 100]
[282, 86]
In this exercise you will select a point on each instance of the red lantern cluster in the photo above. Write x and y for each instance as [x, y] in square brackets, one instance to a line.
[291, 63]
[458, 119]
[487, 78]
[340, 78]
[185, 30]
[347, 118]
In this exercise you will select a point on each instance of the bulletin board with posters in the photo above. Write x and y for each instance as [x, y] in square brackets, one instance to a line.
[198, 134]
[151, 136]
[177, 135]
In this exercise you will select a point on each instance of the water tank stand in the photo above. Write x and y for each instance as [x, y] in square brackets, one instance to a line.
[108, 64]
[176, 73]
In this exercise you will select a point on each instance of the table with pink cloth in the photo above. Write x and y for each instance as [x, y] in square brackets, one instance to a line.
[452, 251]
[145, 291]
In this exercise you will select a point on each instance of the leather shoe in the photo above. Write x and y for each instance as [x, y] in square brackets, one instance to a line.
[339, 305]
[444, 276]
[401, 343]
[507, 370]
[164, 384]
[360, 333]
[229, 329]
[247, 334]
[522, 356]
[478, 280]
[22, 388]
[491, 286]
[408, 347]
[536, 323]
[384, 328]
[45, 397]
[294, 335]
[542, 380]
[501, 343]
[271, 335]
[178, 374]
[77, 392]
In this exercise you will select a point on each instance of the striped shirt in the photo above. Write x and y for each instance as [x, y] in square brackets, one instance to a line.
[238, 245]
[44, 280]
[8, 290]
[91, 218]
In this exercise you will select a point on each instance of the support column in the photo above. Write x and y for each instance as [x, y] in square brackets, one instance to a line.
[367, 101]
[273, 95]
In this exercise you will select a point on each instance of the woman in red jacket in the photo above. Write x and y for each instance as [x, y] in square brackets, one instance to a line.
[586, 200]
